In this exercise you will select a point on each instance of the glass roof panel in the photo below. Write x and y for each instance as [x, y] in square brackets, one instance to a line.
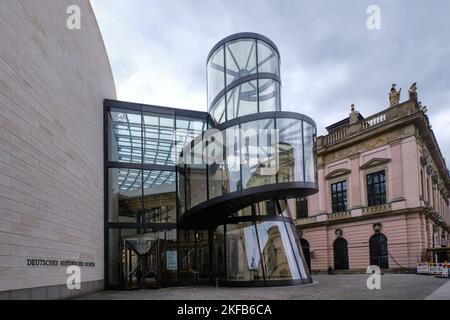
[151, 136]
[125, 130]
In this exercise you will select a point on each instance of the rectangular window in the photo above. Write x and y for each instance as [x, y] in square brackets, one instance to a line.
[339, 196]
[376, 188]
[302, 207]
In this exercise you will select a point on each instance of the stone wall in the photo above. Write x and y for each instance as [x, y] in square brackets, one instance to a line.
[52, 84]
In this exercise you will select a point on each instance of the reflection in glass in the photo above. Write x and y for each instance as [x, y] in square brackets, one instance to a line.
[219, 253]
[269, 95]
[277, 254]
[216, 80]
[257, 157]
[243, 258]
[187, 129]
[217, 180]
[247, 211]
[267, 248]
[232, 157]
[202, 245]
[149, 248]
[266, 208]
[284, 209]
[181, 181]
[159, 197]
[244, 156]
[188, 269]
[242, 251]
[194, 253]
[218, 112]
[196, 191]
[242, 100]
[158, 145]
[125, 136]
[115, 253]
[216, 169]
[243, 57]
[267, 58]
[296, 249]
[125, 195]
[309, 138]
[290, 150]
[240, 59]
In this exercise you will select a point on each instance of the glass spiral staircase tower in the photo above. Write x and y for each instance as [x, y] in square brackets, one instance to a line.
[240, 178]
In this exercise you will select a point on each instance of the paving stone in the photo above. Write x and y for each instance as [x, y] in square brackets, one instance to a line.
[351, 286]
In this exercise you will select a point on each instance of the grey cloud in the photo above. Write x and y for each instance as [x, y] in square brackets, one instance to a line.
[329, 58]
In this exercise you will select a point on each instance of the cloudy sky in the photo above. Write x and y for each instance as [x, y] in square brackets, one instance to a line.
[329, 58]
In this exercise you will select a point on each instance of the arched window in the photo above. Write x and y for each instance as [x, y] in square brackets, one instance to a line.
[340, 250]
[379, 255]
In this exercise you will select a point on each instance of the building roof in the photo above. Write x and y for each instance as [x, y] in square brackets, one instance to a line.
[342, 123]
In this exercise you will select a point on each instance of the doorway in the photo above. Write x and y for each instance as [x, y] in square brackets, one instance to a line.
[140, 262]
[340, 251]
[379, 254]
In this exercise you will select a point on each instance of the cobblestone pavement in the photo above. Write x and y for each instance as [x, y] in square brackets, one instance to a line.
[393, 286]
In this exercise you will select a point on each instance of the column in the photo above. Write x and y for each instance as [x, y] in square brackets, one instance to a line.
[322, 189]
[396, 191]
[355, 182]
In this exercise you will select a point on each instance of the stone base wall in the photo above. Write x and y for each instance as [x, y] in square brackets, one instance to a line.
[53, 292]
[406, 242]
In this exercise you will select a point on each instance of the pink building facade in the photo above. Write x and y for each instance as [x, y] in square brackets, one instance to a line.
[383, 194]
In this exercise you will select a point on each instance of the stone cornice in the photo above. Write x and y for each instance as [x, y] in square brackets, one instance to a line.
[406, 211]
[374, 162]
[337, 173]
[395, 142]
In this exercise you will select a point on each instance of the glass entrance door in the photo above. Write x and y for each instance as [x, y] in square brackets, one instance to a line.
[140, 262]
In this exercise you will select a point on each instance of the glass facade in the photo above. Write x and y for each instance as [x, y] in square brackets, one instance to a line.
[260, 250]
[143, 144]
[270, 151]
[245, 80]
[126, 127]
[193, 197]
